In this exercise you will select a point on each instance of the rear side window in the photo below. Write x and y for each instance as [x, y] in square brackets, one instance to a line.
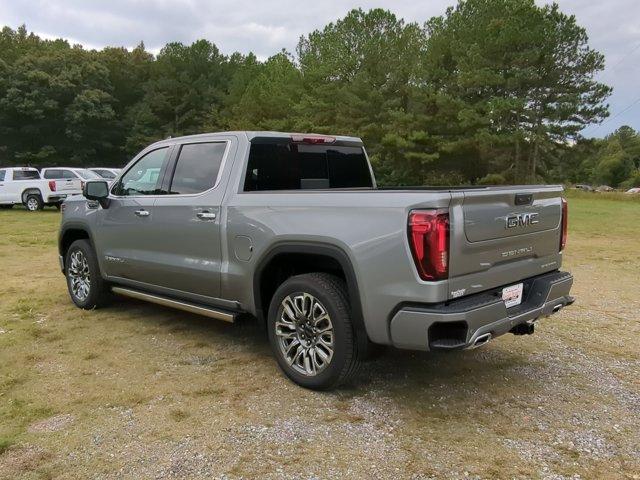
[26, 175]
[2, 174]
[291, 166]
[197, 167]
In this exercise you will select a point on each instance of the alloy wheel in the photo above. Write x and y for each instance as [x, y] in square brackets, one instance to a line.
[79, 275]
[304, 333]
[32, 204]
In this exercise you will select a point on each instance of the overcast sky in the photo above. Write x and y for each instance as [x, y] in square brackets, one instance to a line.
[264, 27]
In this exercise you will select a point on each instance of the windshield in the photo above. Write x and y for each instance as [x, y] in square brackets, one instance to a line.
[87, 174]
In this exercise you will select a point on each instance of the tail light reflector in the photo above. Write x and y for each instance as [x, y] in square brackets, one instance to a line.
[429, 241]
[52, 185]
[565, 224]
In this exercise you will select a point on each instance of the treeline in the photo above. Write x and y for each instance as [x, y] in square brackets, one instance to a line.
[493, 91]
[612, 161]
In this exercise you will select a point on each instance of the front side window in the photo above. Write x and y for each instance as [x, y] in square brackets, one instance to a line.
[291, 166]
[26, 175]
[197, 167]
[143, 178]
[2, 173]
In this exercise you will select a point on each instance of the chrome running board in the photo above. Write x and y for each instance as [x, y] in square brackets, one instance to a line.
[180, 305]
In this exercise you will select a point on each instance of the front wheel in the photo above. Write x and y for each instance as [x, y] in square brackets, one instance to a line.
[311, 332]
[86, 286]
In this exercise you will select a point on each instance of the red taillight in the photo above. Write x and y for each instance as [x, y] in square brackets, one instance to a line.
[312, 139]
[429, 241]
[565, 224]
[52, 185]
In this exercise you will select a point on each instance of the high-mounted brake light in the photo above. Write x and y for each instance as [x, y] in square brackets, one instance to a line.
[565, 224]
[428, 232]
[52, 185]
[312, 139]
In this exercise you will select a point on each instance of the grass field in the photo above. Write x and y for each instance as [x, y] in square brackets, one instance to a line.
[139, 391]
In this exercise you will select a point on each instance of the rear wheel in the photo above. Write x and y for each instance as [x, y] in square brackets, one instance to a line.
[33, 202]
[311, 332]
[86, 286]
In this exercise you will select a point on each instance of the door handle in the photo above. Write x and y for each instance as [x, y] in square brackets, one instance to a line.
[141, 213]
[206, 215]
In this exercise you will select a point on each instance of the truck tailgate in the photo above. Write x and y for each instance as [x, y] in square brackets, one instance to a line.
[68, 185]
[501, 235]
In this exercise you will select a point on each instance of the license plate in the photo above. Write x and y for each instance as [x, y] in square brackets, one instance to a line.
[512, 295]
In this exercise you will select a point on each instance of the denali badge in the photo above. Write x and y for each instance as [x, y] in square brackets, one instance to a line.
[519, 251]
[521, 220]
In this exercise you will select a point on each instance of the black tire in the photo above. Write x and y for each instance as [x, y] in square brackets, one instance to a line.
[33, 202]
[331, 294]
[58, 206]
[98, 294]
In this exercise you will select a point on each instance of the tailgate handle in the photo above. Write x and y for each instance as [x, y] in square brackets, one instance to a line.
[524, 199]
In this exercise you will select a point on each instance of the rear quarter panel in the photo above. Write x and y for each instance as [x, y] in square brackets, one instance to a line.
[370, 227]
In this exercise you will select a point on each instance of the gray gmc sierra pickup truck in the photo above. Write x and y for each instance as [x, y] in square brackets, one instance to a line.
[292, 229]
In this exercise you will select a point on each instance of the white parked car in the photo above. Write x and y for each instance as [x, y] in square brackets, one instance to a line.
[25, 185]
[107, 173]
[634, 190]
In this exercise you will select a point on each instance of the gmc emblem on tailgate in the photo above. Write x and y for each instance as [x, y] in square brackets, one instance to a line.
[521, 220]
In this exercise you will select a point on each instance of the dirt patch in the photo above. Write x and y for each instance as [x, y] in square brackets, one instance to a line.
[21, 459]
[51, 424]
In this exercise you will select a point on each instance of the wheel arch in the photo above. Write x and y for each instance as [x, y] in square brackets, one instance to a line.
[28, 191]
[330, 256]
[70, 234]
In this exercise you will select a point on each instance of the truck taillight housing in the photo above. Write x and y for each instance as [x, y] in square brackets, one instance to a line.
[564, 224]
[429, 241]
[52, 185]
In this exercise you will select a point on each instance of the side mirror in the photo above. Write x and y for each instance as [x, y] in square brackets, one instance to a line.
[97, 190]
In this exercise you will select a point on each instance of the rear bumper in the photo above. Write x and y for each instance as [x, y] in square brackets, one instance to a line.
[56, 198]
[473, 320]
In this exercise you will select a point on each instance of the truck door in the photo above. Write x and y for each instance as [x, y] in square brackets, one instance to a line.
[125, 238]
[186, 222]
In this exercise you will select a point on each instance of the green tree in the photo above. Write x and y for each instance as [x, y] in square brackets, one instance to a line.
[56, 107]
[359, 78]
[185, 83]
[522, 76]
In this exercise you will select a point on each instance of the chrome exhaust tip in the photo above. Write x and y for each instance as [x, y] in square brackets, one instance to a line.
[481, 340]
